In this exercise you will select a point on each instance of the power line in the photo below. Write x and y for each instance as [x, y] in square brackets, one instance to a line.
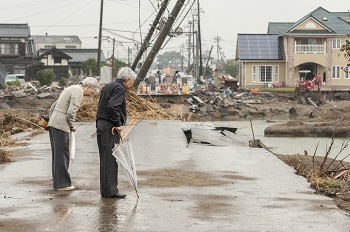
[66, 16]
[24, 17]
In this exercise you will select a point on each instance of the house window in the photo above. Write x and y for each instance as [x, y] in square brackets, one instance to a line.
[254, 73]
[277, 73]
[347, 72]
[265, 73]
[336, 43]
[48, 46]
[9, 49]
[57, 60]
[70, 46]
[335, 72]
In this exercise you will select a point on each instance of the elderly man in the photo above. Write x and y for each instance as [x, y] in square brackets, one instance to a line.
[111, 116]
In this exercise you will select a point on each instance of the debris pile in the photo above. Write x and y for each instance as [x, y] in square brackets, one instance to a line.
[5, 156]
[327, 176]
[139, 108]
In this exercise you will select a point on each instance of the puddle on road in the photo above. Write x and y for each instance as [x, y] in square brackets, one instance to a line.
[177, 178]
[180, 177]
[213, 206]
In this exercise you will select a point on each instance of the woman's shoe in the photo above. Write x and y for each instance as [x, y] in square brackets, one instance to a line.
[70, 188]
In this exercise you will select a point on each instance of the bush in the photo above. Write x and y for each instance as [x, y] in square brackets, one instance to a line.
[45, 76]
[63, 82]
[13, 83]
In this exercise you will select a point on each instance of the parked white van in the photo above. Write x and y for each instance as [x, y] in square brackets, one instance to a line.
[15, 77]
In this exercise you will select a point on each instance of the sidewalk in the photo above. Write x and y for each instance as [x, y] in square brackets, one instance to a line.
[198, 187]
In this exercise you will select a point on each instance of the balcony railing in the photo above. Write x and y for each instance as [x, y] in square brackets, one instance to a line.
[310, 49]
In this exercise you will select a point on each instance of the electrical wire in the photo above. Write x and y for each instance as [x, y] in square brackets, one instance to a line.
[67, 16]
[27, 16]
[180, 22]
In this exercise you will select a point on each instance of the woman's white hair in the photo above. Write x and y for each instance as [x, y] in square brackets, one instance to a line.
[90, 81]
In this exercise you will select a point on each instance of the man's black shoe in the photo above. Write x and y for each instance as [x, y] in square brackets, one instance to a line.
[119, 195]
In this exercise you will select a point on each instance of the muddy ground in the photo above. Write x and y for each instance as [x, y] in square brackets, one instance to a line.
[308, 120]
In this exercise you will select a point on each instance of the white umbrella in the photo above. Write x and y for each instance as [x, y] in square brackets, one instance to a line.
[125, 159]
[72, 145]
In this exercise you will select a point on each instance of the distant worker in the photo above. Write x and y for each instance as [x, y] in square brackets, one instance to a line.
[176, 77]
[152, 82]
[228, 92]
[111, 116]
[159, 77]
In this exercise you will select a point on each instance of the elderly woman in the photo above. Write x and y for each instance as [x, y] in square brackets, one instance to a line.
[111, 116]
[61, 123]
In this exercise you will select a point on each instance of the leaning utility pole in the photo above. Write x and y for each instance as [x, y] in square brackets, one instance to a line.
[206, 66]
[158, 44]
[149, 35]
[99, 40]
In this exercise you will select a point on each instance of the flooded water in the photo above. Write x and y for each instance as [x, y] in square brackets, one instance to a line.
[289, 145]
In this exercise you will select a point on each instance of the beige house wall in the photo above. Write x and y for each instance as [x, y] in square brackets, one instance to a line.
[324, 62]
[310, 25]
[247, 69]
[58, 45]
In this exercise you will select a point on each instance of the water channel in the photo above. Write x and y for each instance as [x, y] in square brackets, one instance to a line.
[288, 145]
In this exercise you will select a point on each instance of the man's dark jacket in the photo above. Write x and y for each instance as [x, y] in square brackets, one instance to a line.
[112, 104]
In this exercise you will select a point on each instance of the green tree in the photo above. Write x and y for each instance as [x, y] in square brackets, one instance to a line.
[45, 76]
[90, 67]
[118, 64]
[231, 67]
[174, 57]
[345, 49]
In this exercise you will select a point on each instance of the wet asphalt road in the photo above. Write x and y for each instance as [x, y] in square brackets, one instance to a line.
[198, 187]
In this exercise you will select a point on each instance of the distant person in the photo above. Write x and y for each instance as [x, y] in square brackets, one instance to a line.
[152, 82]
[61, 123]
[324, 77]
[228, 92]
[159, 77]
[111, 116]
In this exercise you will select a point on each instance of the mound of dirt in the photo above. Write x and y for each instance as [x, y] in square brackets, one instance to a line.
[326, 176]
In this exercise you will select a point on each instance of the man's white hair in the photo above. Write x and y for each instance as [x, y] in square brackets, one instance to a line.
[125, 73]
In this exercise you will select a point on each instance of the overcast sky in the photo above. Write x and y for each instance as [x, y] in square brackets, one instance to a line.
[223, 18]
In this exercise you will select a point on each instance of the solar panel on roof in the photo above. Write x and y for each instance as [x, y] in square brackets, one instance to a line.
[258, 47]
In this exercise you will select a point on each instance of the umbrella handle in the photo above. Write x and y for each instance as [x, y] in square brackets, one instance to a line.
[120, 136]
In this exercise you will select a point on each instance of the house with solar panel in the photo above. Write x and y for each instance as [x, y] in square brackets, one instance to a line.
[292, 51]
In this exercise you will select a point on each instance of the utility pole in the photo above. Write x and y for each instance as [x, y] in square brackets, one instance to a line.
[189, 48]
[129, 56]
[200, 42]
[194, 44]
[158, 44]
[99, 40]
[182, 57]
[113, 62]
[218, 52]
[149, 35]
[206, 66]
